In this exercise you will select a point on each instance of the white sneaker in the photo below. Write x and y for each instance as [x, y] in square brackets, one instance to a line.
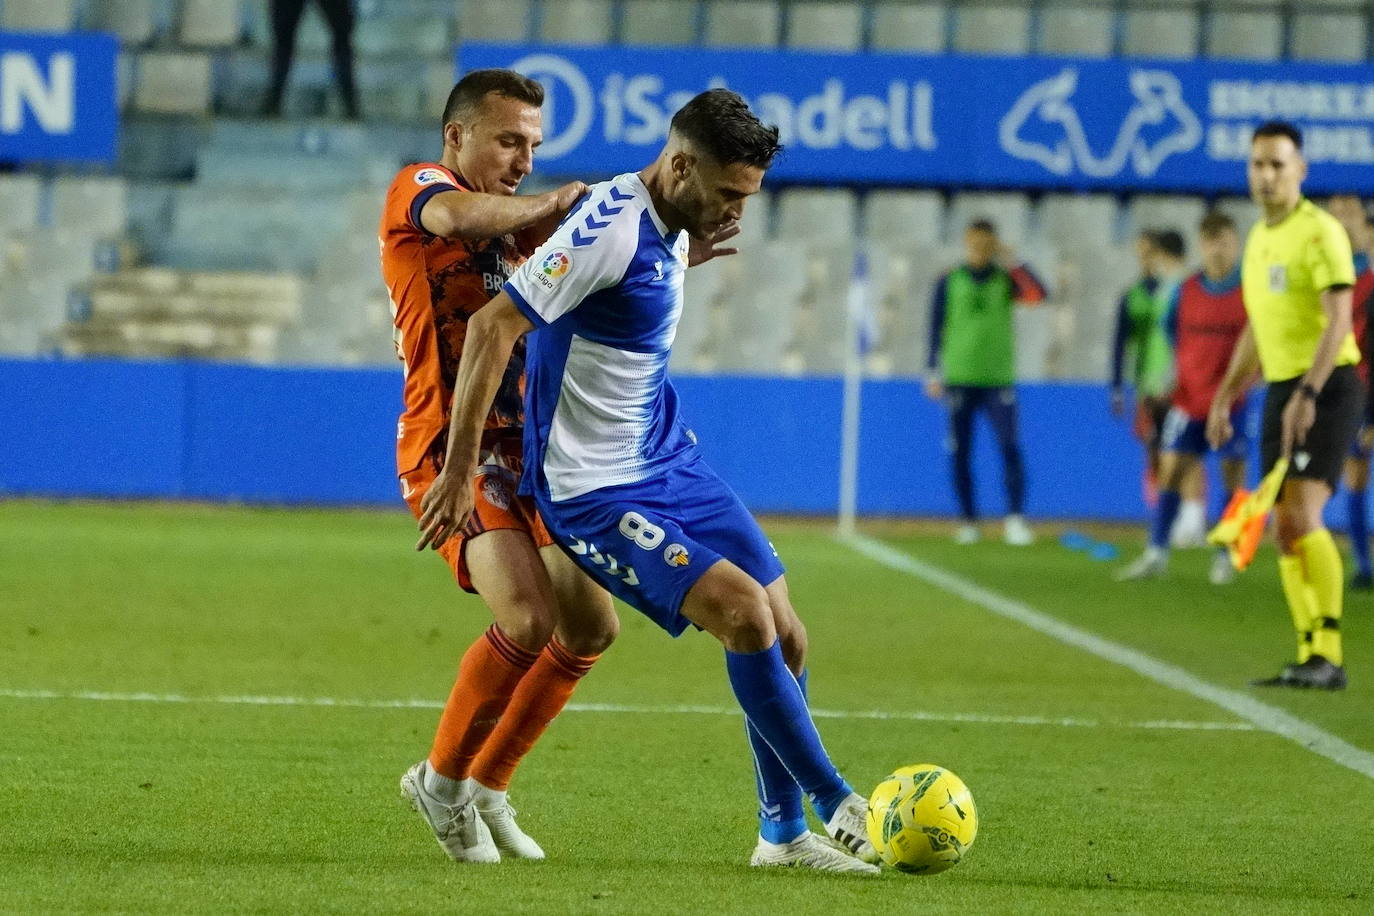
[499, 817]
[1016, 532]
[1190, 528]
[1222, 572]
[809, 851]
[966, 534]
[458, 829]
[1149, 565]
[849, 826]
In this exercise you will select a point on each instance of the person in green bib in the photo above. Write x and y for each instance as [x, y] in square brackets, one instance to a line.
[1141, 341]
[972, 367]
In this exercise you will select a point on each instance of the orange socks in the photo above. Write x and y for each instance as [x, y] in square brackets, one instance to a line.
[541, 696]
[488, 675]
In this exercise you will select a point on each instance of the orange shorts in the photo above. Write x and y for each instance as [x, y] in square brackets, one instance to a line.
[495, 507]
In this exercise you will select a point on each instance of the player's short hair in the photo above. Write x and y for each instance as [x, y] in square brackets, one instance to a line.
[1215, 223]
[469, 91]
[719, 123]
[1171, 243]
[982, 225]
[1278, 129]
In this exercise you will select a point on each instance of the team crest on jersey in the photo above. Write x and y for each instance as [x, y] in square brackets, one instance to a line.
[553, 268]
[494, 492]
[430, 176]
[676, 555]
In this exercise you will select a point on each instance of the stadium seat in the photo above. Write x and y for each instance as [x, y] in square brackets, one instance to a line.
[209, 23]
[823, 214]
[1093, 280]
[403, 36]
[95, 206]
[1079, 29]
[656, 22]
[133, 21]
[700, 294]
[1246, 35]
[172, 82]
[494, 20]
[901, 26]
[1078, 220]
[1167, 211]
[992, 29]
[1163, 33]
[742, 23]
[904, 278]
[21, 202]
[1009, 211]
[576, 22]
[38, 15]
[834, 26]
[914, 216]
[757, 326]
[1329, 36]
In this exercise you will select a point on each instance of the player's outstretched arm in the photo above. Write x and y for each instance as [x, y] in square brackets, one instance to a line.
[491, 337]
[472, 215]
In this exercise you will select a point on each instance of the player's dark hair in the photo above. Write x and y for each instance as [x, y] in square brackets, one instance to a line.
[1171, 243]
[1278, 129]
[469, 91]
[719, 123]
[1215, 223]
[982, 225]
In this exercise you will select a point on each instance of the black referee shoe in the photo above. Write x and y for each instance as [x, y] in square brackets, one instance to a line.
[1316, 673]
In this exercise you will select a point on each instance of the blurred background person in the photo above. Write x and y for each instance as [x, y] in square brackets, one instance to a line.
[286, 19]
[1141, 348]
[1350, 211]
[972, 366]
[1204, 319]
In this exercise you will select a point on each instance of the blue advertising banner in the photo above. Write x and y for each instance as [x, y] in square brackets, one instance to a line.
[57, 97]
[958, 120]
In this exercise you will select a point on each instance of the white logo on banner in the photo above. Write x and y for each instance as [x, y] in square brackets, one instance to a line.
[550, 70]
[1158, 105]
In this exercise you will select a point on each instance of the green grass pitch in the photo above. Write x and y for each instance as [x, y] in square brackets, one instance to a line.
[1086, 803]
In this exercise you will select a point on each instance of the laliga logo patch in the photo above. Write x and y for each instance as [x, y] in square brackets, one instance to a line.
[553, 268]
[430, 176]
[676, 555]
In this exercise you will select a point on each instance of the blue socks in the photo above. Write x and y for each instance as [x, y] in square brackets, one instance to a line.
[781, 818]
[775, 707]
[1359, 529]
[1165, 515]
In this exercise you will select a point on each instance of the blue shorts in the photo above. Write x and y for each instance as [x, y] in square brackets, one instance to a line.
[1182, 433]
[648, 542]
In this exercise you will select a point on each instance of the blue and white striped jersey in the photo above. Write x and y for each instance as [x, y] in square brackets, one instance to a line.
[604, 294]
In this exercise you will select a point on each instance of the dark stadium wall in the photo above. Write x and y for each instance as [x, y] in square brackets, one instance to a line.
[183, 430]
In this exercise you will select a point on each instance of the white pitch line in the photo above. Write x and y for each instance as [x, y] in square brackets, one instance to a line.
[1261, 715]
[910, 715]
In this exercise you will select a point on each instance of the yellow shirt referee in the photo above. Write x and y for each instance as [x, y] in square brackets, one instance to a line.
[1296, 278]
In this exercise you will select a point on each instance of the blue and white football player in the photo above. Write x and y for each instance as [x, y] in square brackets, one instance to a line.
[617, 475]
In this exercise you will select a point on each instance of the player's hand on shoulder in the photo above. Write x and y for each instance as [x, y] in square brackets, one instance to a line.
[699, 251]
[567, 195]
[444, 509]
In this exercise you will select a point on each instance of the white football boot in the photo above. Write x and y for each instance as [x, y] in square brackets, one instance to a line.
[1222, 572]
[849, 827]
[1151, 564]
[495, 811]
[1016, 532]
[457, 827]
[966, 534]
[809, 851]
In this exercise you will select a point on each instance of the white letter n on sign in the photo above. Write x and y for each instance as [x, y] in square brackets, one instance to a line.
[51, 99]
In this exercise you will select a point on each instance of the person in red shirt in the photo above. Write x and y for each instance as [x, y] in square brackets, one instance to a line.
[1204, 319]
[451, 233]
[1349, 209]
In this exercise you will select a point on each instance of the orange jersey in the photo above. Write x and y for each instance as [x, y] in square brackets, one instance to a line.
[436, 284]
